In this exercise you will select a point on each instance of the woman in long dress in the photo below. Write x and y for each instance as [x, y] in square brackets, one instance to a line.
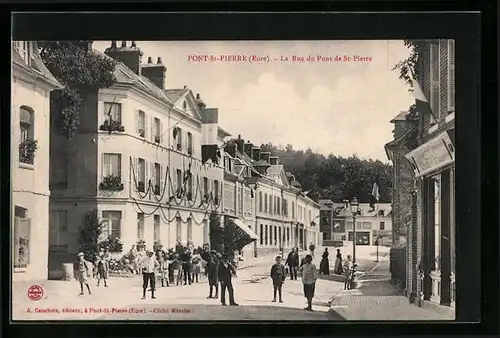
[338, 263]
[324, 266]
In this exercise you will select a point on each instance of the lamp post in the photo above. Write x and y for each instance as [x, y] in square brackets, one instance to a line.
[354, 206]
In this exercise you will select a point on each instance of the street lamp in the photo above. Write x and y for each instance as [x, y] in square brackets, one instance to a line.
[354, 206]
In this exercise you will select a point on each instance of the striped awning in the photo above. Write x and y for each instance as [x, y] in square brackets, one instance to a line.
[242, 234]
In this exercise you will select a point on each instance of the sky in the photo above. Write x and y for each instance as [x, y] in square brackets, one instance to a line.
[333, 107]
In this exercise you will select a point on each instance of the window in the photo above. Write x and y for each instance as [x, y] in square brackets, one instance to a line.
[24, 49]
[261, 234]
[260, 200]
[359, 226]
[216, 192]
[275, 235]
[206, 232]
[293, 209]
[157, 130]
[58, 227]
[27, 127]
[111, 221]
[270, 204]
[205, 187]
[59, 171]
[178, 225]
[179, 180]
[22, 227]
[434, 76]
[285, 207]
[189, 186]
[451, 75]
[156, 228]
[278, 205]
[113, 112]
[157, 176]
[190, 229]
[184, 105]
[178, 138]
[381, 213]
[265, 202]
[310, 219]
[190, 143]
[140, 226]
[280, 234]
[141, 123]
[141, 175]
[367, 225]
[349, 225]
[112, 165]
[267, 235]
[382, 226]
[288, 237]
[271, 235]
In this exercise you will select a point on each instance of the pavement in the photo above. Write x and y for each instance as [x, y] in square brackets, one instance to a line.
[377, 299]
[122, 300]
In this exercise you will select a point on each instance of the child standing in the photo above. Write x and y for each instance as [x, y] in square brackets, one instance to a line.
[82, 272]
[278, 277]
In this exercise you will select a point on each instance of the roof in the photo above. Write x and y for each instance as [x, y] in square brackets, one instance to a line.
[223, 132]
[398, 140]
[175, 94]
[400, 117]
[124, 74]
[366, 210]
[36, 66]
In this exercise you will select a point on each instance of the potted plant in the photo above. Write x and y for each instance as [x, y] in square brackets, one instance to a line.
[111, 182]
[27, 149]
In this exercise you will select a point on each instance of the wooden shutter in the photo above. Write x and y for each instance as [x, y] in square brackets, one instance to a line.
[161, 131]
[451, 75]
[151, 177]
[152, 129]
[138, 121]
[434, 76]
[136, 173]
[145, 126]
[162, 182]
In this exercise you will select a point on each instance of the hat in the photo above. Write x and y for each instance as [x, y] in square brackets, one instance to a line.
[80, 254]
[218, 255]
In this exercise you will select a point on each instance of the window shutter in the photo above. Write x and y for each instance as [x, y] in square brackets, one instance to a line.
[161, 178]
[434, 90]
[152, 129]
[152, 175]
[138, 121]
[145, 126]
[136, 172]
[161, 131]
[451, 75]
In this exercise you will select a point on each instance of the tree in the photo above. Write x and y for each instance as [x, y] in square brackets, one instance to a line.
[408, 67]
[335, 177]
[81, 71]
[90, 234]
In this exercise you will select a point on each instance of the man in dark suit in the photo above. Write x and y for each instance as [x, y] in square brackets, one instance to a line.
[226, 272]
[213, 274]
[293, 262]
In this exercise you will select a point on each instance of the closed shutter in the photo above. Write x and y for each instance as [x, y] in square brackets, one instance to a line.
[153, 129]
[136, 173]
[161, 131]
[451, 75]
[161, 178]
[146, 134]
[106, 168]
[138, 122]
[434, 90]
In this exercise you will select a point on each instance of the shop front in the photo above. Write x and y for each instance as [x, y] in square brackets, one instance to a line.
[434, 166]
[362, 237]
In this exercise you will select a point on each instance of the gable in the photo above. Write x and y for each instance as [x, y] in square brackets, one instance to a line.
[281, 178]
[187, 104]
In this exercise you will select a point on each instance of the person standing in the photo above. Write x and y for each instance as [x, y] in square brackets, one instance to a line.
[348, 270]
[102, 264]
[196, 265]
[309, 276]
[312, 247]
[82, 272]
[186, 266]
[213, 274]
[133, 254]
[338, 263]
[278, 277]
[292, 261]
[324, 266]
[226, 272]
[162, 267]
[149, 265]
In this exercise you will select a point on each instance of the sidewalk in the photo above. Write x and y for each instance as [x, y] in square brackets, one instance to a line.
[377, 299]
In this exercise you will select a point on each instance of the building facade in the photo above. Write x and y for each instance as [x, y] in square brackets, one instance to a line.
[429, 148]
[32, 84]
[138, 164]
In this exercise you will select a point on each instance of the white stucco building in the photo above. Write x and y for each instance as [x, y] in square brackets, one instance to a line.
[32, 84]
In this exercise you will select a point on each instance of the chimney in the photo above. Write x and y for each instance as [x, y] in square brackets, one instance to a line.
[155, 72]
[256, 153]
[264, 156]
[240, 143]
[291, 178]
[274, 160]
[199, 102]
[248, 148]
[231, 149]
[129, 56]
[209, 126]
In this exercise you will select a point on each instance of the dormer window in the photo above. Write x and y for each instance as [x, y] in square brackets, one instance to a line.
[381, 213]
[184, 105]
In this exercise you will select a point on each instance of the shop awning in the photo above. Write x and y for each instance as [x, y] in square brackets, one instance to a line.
[242, 234]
